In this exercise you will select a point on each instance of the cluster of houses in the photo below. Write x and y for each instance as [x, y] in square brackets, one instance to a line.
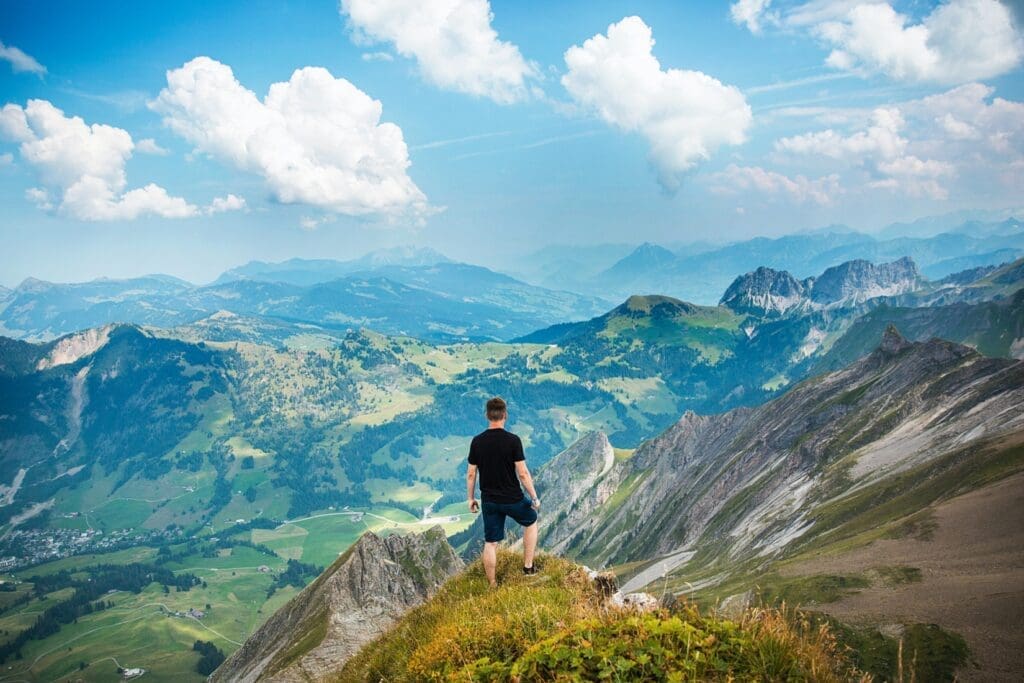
[27, 547]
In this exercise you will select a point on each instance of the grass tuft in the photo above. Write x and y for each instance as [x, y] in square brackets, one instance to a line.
[556, 626]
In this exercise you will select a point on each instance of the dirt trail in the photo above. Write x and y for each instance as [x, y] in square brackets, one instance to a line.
[972, 578]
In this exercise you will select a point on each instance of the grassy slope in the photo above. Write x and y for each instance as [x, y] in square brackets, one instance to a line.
[556, 626]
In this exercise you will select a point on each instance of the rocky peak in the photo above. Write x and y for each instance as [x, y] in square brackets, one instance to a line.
[355, 599]
[765, 291]
[857, 281]
[892, 341]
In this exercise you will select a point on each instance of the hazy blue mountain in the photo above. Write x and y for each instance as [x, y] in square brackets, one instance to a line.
[569, 267]
[968, 220]
[442, 301]
[951, 266]
[701, 276]
[43, 310]
[299, 271]
[633, 267]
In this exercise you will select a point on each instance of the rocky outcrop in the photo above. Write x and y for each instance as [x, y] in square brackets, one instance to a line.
[357, 598]
[765, 291]
[751, 482]
[769, 293]
[855, 282]
[573, 485]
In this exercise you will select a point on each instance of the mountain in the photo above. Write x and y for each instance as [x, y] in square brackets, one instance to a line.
[359, 596]
[39, 310]
[719, 504]
[642, 260]
[465, 283]
[766, 291]
[855, 282]
[443, 301]
[304, 272]
[563, 266]
[972, 221]
[774, 466]
[702, 275]
[568, 624]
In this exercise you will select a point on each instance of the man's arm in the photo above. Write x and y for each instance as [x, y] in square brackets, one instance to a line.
[524, 476]
[471, 488]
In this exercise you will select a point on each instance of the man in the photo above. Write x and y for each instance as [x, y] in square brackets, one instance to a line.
[497, 455]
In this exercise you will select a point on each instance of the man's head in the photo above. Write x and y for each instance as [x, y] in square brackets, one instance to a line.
[497, 411]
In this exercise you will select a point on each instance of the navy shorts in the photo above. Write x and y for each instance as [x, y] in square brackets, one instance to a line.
[495, 514]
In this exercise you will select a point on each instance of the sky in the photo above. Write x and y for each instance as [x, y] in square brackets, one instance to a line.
[189, 137]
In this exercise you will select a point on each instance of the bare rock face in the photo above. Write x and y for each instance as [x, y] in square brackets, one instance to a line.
[355, 600]
[857, 281]
[765, 291]
[750, 482]
[573, 485]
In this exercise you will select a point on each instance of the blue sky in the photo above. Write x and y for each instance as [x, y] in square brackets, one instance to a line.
[747, 118]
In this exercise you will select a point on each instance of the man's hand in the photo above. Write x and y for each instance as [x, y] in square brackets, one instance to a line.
[474, 506]
[536, 503]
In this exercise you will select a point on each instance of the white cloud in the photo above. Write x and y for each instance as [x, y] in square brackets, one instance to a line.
[315, 139]
[881, 139]
[452, 41]
[85, 164]
[958, 41]
[923, 165]
[684, 115]
[6, 159]
[39, 197]
[750, 13]
[230, 202]
[740, 179]
[150, 146]
[19, 61]
[377, 57]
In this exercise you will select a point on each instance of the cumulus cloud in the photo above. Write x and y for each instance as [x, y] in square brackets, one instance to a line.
[230, 202]
[83, 164]
[150, 146]
[881, 139]
[684, 115]
[315, 139]
[377, 57]
[452, 41]
[957, 42]
[742, 179]
[884, 150]
[19, 61]
[750, 13]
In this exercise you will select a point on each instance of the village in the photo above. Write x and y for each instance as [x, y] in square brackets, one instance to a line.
[28, 547]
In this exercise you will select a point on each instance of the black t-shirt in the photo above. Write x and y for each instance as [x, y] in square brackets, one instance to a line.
[495, 453]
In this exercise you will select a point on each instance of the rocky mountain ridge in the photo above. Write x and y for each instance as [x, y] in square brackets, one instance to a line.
[769, 292]
[753, 482]
[352, 602]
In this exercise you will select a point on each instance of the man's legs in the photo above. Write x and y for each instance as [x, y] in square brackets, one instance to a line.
[529, 544]
[491, 560]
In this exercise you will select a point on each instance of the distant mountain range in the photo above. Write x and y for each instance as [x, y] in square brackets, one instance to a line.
[416, 293]
[700, 273]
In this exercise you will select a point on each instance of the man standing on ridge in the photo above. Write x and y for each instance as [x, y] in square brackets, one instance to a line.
[498, 456]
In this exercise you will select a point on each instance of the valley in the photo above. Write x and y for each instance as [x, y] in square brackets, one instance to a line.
[250, 449]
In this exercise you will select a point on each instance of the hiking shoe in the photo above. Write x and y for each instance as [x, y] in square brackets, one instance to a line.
[530, 571]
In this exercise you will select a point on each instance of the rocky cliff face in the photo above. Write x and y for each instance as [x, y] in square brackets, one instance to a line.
[357, 598]
[751, 483]
[574, 486]
[855, 282]
[767, 292]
